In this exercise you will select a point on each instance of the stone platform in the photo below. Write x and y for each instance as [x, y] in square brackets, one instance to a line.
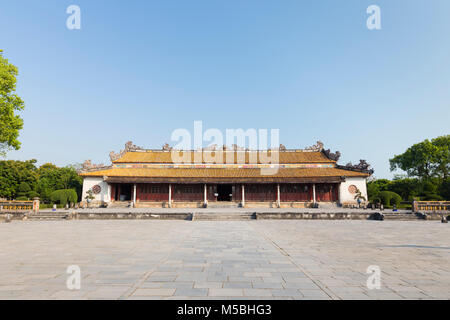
[259, 259]
[194, 214]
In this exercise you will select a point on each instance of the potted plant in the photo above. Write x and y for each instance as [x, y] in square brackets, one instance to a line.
[89, 196]
[359, 197]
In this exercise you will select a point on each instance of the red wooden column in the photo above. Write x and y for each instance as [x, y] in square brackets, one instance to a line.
[113, 190]
[278, 195]
[170, 195]
[314, 193]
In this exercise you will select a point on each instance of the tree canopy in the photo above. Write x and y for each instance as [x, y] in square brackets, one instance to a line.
[426, 159]
[24, 179]
[10, 103]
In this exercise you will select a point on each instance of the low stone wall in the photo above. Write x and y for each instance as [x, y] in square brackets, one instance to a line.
[315, 215]
[14, 216]
[433, 215]
[132, 215]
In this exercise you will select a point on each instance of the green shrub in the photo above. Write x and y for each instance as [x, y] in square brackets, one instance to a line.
[389, 198]
[22, 198]
[64, 196]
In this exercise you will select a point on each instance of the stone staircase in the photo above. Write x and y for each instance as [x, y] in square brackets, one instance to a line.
[47, 216]
[327, 205]
[223, 216]
[223, 204]
[400, 216]
[119, 204]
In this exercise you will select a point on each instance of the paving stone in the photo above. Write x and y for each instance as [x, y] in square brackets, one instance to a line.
[257, 293]
[208, 285]
[161, 278]
[314, 294]
[286, 293]
[267, 285]
[149, 259]
[155, 292]
[237, 285]
[184, 285]
[109, 293]
[191, 292]
[226, 292]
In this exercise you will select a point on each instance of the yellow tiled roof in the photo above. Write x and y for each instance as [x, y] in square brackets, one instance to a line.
[151, 156]
[223, 173]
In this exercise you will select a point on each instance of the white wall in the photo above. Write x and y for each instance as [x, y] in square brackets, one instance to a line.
[345, 196]
[89, 182]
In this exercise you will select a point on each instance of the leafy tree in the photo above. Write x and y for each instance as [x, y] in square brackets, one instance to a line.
[10, 103]
[32, 194]
[444, 189]
[13, 173]
[426, 159]
[22, 179]
[407, 188]
[24, 188]
[53, 178]
[443, 155]
[372, 190]
[374, 187]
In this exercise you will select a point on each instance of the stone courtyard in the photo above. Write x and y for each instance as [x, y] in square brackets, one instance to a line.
[274, 259]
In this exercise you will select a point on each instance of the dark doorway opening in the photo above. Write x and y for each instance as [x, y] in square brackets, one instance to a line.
[224, 192]
[123, 192]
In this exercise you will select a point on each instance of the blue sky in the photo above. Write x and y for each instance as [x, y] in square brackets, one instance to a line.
[137, 70]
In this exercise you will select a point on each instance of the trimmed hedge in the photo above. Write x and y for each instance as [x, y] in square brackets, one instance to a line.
[64, 196]
[389, 198]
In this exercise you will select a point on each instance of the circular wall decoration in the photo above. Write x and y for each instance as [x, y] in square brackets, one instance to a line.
[96, 189]
[352, 189]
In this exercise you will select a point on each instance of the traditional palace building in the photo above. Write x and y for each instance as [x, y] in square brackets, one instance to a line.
[150, 178]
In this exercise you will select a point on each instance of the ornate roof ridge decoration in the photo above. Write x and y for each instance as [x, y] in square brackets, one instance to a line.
[129, 146]
[88, 166]
[362, 166]
[332, 156]
[318, 147]
[233, 147]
